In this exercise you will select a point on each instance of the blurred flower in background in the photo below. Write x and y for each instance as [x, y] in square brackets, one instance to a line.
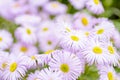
[59, 40]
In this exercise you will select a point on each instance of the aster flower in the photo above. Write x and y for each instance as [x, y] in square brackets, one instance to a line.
[26, 34]
[64, 18]
[103, 30]
[83, 21]
[107, 73]
[63, 27]
[115, 38]
[113, 54]
[4, 12]
[20, 7]
[33, 76]
[82, 59]
[78, 4]
[16, 68]
[48, 42]
[47, 56]
[99, 20]
[73, 41]
[95, 6]
[34, 61]
[95, 52]
[3, 60]
[17, 8]
[48, 74]
[67, 63]
[54, 8]
[14, 8]
[38, 3]
[45, 28]
[87, 33]
[28, 19]
[25, 49]
[44, 15]
[6, 39]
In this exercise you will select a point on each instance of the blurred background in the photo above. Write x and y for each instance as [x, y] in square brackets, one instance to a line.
[112, 11]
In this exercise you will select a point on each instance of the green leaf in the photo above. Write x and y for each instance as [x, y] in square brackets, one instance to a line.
[117, 24]
[91, 73]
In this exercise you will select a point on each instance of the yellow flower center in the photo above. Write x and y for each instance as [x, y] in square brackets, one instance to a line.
[1, 39]
[13, 67]
[54, 5]
[49, 42]
[100, 31]
[28, 31]
[97, 50]
[49, 51]
[87, 33]
[111, 50]
[23, 49]
[75, 38]
[96, 2]
[64, 68]
[45, 29]
[84, 21]
[68, 29]
[110, 76]
[4, 65]
[33, 57]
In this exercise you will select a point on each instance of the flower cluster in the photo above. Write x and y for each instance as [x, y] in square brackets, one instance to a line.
[57, 48]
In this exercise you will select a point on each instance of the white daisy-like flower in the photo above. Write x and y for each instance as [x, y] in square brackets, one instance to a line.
[54, 8]
[95, 52]
[78, 4]
[26, 34]
[6, 39]
[44, 16]
[64, 18]
[3, 60]
[48, 74]
[37, 2]
[83, 21]
[113, 55]
[82, 59]
[95, 6]
[101, 19]
[63, 27]
[16, 68]
[48, 42]
[103, 30]
[33, 76]
[28, 19]
[115, 38]
[34, 61]
[47, 56]
[107, 73]
[45, 28]
[87, 33]
[25, 49]
[73, 41]
[67, 63]
[17, 8]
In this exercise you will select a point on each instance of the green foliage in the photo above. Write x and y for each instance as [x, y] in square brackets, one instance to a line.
[91, 73]
[117, 24]
[8, 25]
